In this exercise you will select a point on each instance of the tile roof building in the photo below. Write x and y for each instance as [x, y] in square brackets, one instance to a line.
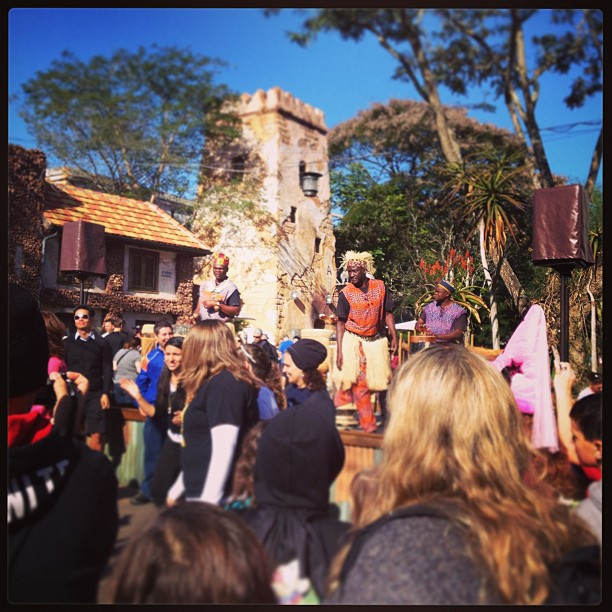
[149, 256]
[126, 218]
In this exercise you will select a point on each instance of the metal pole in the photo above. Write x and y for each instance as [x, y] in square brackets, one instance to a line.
[564, 314]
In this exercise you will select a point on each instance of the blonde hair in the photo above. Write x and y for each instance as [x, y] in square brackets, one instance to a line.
[455, 437]
[209, 348]
[362, 487]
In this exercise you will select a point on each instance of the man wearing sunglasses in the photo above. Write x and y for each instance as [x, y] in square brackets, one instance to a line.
[90, 354]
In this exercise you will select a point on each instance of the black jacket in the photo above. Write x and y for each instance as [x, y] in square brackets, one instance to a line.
[93, 359]
[62, 520]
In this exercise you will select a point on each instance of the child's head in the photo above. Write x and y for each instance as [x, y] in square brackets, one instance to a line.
[595, 382]
[193, 553]
[586, 416]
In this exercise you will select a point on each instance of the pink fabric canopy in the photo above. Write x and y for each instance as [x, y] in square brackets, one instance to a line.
[527, 353]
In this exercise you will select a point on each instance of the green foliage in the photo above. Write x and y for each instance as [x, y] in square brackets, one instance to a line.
[387, 171]
[596, 223]
[491, 187]
[458, 269]
[138, 119]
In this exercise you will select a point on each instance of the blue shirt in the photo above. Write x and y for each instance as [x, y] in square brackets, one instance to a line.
[295, 395]
[266, 403]
[147, 381]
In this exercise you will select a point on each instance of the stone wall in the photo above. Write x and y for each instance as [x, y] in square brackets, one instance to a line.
[114, 301]
[26, 170]
[295, 251]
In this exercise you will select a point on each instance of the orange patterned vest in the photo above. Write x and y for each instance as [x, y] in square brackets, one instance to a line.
[367, 309]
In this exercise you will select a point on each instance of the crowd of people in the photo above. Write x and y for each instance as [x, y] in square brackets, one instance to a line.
[241, 450]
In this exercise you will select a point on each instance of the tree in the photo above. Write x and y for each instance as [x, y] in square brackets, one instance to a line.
[489, 189]
[467, 58]
[388, 168]
[136, 119]
[489, 46]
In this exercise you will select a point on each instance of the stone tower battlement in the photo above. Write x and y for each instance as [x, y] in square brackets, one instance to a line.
[277, 100]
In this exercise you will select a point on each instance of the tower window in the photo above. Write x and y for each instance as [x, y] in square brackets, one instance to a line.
[317, 245]
[292, 214]
[238, 164]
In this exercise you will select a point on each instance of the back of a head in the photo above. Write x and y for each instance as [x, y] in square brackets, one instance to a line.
[209, 341]
[299, 456]
[259, 361]
[453, 417]
[132, 342]
[28, 350]
[193, 553]
[56, 330]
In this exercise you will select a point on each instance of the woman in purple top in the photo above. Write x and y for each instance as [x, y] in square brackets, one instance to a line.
[443, 318]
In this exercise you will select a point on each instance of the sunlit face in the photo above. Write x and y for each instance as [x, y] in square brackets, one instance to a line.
[440, 293]
[172, 357]
[163, 335]
[108, 327]
[220, 273]
[356, 273]
[82, 320]
[588, 451]
[292, 372]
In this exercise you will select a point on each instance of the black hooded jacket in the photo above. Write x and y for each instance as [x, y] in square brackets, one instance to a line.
[62, 520]
[299, 456]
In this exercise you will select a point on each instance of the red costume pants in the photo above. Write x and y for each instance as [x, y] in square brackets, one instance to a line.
[359, 394]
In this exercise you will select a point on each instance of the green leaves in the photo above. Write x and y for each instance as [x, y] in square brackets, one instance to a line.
[491, 187]
[458, 268]
[136, 118]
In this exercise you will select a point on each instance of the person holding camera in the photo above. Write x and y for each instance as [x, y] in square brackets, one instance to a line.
[62, 515]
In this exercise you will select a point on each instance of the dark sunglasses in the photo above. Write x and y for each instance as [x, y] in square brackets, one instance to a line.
[77, 317]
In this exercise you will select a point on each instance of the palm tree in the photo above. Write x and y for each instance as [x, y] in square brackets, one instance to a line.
[487, 189]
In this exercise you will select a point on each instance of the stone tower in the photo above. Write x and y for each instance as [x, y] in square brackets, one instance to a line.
[282, 258]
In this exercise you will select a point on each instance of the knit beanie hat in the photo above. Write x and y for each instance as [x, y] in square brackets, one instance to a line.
[307, 354]
[299, 455]
[28, 349]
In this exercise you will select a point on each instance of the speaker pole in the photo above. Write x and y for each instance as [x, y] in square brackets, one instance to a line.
[83, 294]
[565, 273]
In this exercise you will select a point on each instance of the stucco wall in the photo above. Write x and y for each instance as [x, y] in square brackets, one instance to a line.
[269, 261]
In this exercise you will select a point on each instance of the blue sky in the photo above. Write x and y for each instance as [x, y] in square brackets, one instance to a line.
[339, 77]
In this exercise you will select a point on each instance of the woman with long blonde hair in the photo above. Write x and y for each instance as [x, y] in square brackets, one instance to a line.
[459, 515]
[220, 408]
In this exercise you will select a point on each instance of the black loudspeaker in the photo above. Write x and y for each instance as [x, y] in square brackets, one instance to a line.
[561, 228]
[83, 249]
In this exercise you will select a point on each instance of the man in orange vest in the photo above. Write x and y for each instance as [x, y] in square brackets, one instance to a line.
[362, 348]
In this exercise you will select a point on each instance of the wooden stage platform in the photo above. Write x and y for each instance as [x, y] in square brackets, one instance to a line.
[362, 451]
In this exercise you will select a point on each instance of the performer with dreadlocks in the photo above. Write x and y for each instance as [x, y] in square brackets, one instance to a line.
[362, 354]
